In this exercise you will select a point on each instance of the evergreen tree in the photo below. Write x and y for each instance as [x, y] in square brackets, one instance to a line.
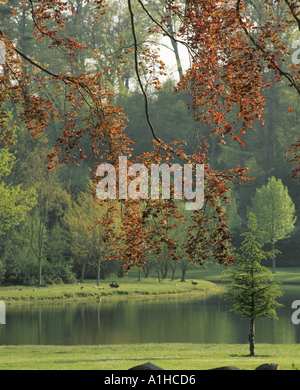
[251, 290]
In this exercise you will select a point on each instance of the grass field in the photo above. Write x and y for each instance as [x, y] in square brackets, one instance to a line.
[168, 356]
[207, 279]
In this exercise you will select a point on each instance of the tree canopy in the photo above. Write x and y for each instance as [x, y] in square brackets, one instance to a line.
[234, 46]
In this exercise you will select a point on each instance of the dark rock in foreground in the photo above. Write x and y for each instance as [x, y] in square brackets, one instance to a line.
[268, 367]
[147, 366]
[225, 368]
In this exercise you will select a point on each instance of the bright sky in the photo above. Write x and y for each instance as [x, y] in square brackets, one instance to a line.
[168, 56]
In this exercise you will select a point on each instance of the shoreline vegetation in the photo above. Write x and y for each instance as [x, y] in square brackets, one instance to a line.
[198, 281]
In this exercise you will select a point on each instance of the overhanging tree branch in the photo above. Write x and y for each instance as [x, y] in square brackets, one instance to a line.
[260, 48]
[171, 36]
[138, 74]
[292, 8]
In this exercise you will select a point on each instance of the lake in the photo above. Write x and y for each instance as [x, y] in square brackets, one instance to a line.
[159, 320]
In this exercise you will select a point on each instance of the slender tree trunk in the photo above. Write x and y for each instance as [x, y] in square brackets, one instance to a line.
[212, 155]
[146, 272]
[98, 271]
[173, 273]
[158, 275]
[273, 259]
[176, 52]
[271, 128]
[82, 272]
[41, 232]
[165, 274]
[40, 249]
[183, 270]
[40, 270]
[251, 337]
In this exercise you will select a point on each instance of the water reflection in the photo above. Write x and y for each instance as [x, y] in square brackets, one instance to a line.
[159, 320]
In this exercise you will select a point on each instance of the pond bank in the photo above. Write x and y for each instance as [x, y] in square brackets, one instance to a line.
[146, 288]
[199, 281]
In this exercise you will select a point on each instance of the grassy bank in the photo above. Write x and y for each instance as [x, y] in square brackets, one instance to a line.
[285, 275]
[128, 287]
[168, 356]
[131, 287]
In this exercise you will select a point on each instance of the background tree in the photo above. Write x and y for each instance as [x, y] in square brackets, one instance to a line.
[274, 210]
[250, 289]
[15, 202]
[51, 195]
[87, 244]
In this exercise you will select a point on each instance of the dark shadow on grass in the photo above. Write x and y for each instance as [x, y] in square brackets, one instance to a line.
[255, 356]
[115, 360]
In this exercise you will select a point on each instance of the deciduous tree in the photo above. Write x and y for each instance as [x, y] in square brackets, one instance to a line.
[274, 211]
[15, 202]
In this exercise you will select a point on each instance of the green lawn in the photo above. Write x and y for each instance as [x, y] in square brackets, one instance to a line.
[168, 356]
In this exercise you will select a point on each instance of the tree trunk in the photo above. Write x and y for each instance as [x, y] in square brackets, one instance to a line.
[183, 270]
[82, 273]
[158, 275]
[173, 273]
[98, 271]
[271, 128]
[146, 272]
[251, 337]
[40, 270]
[165, 271]
[273, 259]
[268, 134]
[213, 148]
[40, 250]
[176, 52]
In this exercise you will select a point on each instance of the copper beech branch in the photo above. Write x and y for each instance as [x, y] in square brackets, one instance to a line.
[260, 48]
[138, 74]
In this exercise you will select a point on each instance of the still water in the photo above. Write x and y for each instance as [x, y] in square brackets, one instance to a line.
[173, 319]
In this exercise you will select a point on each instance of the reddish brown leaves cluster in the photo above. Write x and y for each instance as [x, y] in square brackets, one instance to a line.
[226, 75]
[147, 224]
[295, 159]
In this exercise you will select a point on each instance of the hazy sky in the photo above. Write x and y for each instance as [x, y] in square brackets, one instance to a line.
[168, 57]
